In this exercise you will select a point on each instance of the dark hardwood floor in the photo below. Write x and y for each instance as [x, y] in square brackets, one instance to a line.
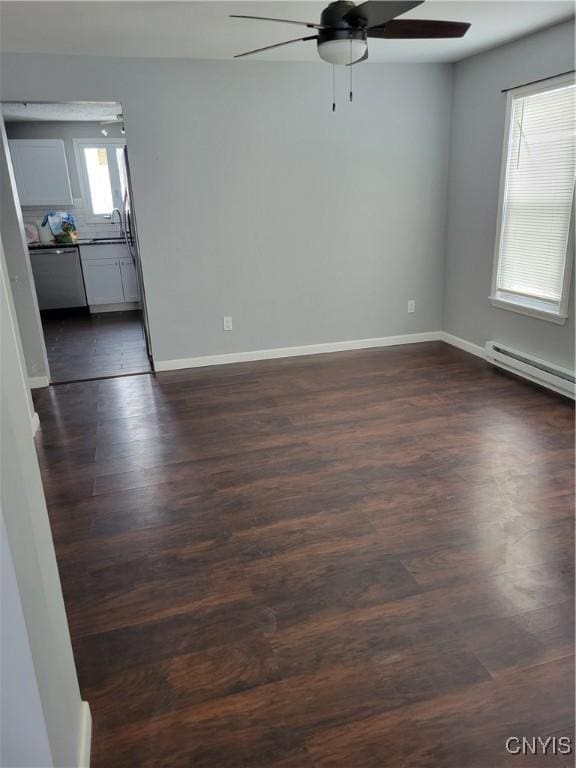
[81, 345]
[357, 560]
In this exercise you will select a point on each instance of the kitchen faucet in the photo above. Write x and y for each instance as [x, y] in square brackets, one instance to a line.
[123, 231]
[120, 219]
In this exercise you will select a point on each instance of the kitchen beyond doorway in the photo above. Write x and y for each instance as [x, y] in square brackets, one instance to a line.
[81, 345]
[73, 181]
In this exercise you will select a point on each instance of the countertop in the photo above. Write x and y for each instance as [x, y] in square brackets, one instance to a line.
[93, 241]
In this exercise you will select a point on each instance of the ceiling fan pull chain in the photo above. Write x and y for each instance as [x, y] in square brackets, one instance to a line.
[351, 67]
[333, 88]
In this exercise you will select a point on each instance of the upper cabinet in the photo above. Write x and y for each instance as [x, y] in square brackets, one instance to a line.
[41, 171]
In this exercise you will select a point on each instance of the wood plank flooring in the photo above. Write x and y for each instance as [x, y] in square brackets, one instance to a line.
[357, 560]
[81, 345]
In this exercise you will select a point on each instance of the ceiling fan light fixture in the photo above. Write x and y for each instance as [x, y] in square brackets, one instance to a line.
[343, 51]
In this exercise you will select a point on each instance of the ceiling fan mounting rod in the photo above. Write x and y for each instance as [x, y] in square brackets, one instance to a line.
[334, 16]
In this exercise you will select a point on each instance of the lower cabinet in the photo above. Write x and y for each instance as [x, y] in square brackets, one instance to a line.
[103, 282]
[109, 274]
[129, 280]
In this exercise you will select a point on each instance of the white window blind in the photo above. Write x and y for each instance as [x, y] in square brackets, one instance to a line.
[537, 197]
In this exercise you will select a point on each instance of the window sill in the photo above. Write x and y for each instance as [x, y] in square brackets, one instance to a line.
[529, 310]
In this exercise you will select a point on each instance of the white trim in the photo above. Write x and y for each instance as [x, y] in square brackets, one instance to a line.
[38, 382]
[342, 346]
[123, 306]
[541, 372]
[517, 367]
[310, 349]
[466, 346]
[501, 192]
[35, 421]
[533, 379]
[85, 739]
[523, 309]
[560, 317]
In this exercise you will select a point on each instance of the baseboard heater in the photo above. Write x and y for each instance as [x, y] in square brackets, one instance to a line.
[532, 368]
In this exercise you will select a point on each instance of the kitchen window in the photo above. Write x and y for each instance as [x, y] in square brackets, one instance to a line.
[535, 233]
[102, 177]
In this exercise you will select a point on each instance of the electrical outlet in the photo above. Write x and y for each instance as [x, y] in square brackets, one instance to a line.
[411, 306]
[227, 323]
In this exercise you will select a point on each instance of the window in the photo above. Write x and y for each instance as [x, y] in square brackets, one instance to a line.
[101, 169]
[536, 218]
[98, 172]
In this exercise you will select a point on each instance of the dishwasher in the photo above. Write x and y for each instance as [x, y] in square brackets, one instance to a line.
[58, 277]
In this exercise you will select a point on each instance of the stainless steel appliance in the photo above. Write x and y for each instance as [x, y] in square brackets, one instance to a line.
[130, 234]
[58, 277]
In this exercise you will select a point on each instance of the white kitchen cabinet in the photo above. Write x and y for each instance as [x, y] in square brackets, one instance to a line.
[103, 281]
[129, 280]
[41, 171]
[109, 274]
[96, 251]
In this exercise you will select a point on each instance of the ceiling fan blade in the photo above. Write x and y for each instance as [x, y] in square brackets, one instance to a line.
[276, 45]
[419, 29]
[282, 21]
[374, 13]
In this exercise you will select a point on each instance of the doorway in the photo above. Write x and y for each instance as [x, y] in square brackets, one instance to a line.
[72, 176]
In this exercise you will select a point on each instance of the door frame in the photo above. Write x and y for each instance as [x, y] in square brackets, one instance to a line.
[137, 258]
[36, 380]
[139, 271]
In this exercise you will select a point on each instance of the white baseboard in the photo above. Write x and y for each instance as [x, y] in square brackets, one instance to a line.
[467, 346]
[35, 421]
[310, 349]
[123, 307]
[85, 739]
[37, 382]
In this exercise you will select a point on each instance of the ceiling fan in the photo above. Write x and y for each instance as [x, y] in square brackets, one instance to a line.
[344, 28]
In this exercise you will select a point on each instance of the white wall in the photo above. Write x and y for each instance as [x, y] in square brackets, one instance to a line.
[68, 131]
[477, 134]
[23, 736]
[254, 200]
[30, 541]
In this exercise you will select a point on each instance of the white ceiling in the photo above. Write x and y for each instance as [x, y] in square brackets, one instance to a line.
[91, 111]
[202, 30]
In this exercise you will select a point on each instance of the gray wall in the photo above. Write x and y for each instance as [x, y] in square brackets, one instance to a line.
[477, 134]
[23, 736]
[255, 201]
[30, 541]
